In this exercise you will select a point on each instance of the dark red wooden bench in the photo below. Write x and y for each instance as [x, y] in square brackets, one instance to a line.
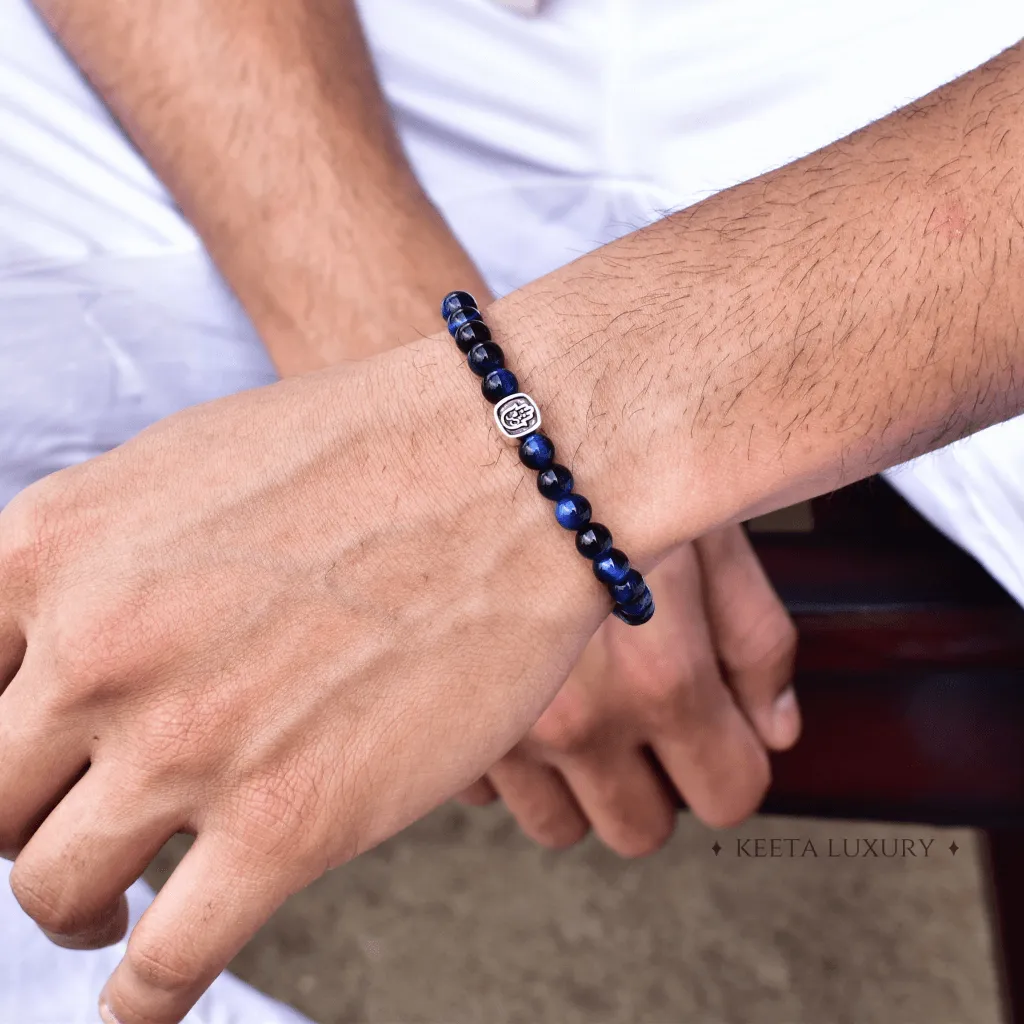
[911, 679]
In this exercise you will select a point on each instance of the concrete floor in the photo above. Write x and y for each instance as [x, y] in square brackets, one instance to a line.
[460, 920]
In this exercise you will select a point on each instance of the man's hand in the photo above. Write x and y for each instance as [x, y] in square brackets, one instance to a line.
[704, 688]
[290, 622]
[312, 211]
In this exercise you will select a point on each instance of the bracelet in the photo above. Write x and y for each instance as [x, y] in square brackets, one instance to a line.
[518, 418]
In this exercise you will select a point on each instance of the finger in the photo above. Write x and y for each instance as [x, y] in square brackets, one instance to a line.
[712, 755]
[702, 739]
[213, 903]
[40, 758]
[753, 634]
[539, 800]
[71, 877]
[479, 794]
[108, 929]
[628, 806]
[706, 745]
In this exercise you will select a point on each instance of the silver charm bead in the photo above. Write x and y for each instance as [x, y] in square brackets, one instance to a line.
[517, 415]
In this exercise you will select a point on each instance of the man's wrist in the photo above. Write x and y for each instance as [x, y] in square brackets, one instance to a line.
[355, 284]
[580, 368]
[441, 429]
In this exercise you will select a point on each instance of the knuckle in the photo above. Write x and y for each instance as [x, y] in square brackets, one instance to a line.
[769, 642]
[673, 691]
[781, 638]
[642, 841]
[661, 679]
[15, 536]
[160, 964]
[86, 659]
[38, 526]
[556, 831]
[740, 800]
[115, 634]
[547, 817]
[668, 683]
[45, 904]
[564, 728]
[83, 649]
[25, 524]
[187, 731]
[633, 823]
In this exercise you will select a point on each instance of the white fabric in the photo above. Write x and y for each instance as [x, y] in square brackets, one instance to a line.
[973, 491]
[529, 7]
[41, 984]
[540, 138]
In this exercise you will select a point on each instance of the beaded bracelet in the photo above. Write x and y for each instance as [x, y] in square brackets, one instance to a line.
[518, 418]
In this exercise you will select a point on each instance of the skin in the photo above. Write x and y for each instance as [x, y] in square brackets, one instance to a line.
[700, 692]
[265, 121]
[349, 610]
[317, 221]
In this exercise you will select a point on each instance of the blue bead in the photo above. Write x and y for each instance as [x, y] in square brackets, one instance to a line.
[634, 620]
[611, 567]
[471, 334]
[555, 482]
[573, 512]
[536, 451]
[639, 604]
[460, 318]
[594, 540]
[485, 357]
[630, 589]
[455, 301]
[499, 384]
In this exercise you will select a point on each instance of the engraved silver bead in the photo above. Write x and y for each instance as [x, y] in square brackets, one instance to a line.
[517, 415]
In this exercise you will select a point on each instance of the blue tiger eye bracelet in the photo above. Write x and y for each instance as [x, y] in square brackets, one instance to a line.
[518, 418]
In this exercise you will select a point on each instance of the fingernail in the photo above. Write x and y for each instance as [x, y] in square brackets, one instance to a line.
[785, 703]
[786, 719]
[107, 1015]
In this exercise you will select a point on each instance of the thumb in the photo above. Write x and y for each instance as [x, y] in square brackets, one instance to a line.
[754, 635]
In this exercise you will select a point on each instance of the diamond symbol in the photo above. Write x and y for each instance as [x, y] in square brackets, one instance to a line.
[717, 848]
[953, 847]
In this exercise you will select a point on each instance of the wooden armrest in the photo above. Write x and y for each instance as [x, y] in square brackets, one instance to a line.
[910, 670]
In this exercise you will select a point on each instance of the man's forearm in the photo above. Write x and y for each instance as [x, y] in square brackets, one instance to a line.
[804, 329]
[266, 122]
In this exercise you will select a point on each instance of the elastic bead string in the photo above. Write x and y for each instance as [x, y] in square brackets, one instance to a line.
[519, 419]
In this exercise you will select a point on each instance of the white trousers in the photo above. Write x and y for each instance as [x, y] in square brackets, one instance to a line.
[538, 138]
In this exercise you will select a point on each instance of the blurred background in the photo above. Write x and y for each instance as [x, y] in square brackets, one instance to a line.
[462, 920]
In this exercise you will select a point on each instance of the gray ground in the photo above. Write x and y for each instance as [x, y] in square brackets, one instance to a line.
[460, 920]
